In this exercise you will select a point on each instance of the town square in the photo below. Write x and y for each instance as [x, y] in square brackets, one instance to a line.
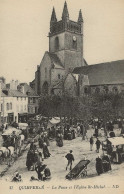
[62, 114]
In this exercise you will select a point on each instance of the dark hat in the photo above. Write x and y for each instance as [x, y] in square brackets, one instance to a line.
[32, 178]
[71, 151]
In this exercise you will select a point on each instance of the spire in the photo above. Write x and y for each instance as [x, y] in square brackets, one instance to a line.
[80, 18]
[53, 16]
[65, 14]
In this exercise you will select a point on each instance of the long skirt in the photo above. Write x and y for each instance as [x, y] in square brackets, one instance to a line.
[46, 152]
[60, 143]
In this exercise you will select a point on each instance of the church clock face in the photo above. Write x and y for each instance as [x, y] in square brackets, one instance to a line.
[74, 38]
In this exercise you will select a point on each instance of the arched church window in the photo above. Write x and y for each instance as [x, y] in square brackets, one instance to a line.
[57, 43]
[52, 91]
[45, 88]
[45, 72]
[58, 76]
[97, 90]
[106, 90]
[115, 90]
[86, 90]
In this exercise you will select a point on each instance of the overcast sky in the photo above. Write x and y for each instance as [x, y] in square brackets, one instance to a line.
[24, 27]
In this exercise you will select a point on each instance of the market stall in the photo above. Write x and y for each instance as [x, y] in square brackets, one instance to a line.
[24, 128]
[10, 135]
[52, 125]
[115, 148]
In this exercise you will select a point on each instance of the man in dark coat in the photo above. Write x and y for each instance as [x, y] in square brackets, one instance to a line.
[96, 131]
[33, 146]
[70, 159]
[97, 145]
[40, 142]
[45, 151]
[91, 143]
[99, 166]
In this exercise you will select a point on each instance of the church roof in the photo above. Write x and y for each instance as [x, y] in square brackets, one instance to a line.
[103, 73]
[58, 85]
[55, 60]
[84, 62]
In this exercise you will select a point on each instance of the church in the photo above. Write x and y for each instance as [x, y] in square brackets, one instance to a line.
[65, 53]
[63, 68]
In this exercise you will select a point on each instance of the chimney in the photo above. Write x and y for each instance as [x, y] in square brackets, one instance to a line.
[22, 89]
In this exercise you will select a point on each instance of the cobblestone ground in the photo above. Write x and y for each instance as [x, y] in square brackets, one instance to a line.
[57, 162]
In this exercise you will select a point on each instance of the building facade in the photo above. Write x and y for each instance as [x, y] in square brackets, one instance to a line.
[33, 98]
[14, 106]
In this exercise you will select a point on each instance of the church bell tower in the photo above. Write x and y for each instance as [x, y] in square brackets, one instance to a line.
[66, 39]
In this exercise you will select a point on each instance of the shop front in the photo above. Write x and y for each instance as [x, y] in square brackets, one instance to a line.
[22, 117]
[10, 118]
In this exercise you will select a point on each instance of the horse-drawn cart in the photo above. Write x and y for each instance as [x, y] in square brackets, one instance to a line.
[11, 137]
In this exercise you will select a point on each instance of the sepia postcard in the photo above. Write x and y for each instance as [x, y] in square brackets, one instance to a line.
[61, 96]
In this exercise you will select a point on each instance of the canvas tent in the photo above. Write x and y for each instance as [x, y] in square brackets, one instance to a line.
[53, 122]
[10, 131]
[115, 141]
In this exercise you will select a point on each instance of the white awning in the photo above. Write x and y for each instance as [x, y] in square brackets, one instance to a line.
[55, 120]
[116, 141]
[22, 125]
[9, 131]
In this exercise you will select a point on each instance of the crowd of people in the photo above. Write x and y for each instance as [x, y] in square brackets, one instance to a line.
[68, 131]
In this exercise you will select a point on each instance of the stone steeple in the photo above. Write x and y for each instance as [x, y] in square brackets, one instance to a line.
[65, 14]
[80, 18]
[53, 17]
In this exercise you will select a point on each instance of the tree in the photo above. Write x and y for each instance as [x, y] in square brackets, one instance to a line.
[105, 106]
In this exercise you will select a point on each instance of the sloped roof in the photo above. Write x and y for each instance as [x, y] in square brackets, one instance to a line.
[22, 84]
[103, 73]
[13, 93]
[76, 76]
[55, 60]
[84, 62]
[28, 90]
[3, 95]
[31, 92]
[58, 85]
